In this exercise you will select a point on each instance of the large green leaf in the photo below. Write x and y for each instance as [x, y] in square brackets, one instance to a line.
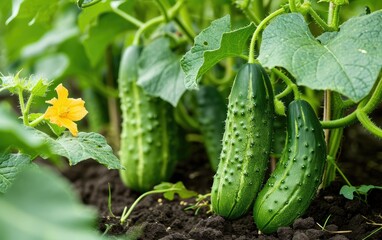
[101, 34]
[10, 166]
[42, 205]
[347, 62]
[213, 44]
[160, 73]
[14, 134]
[33, 10]
[83, 147]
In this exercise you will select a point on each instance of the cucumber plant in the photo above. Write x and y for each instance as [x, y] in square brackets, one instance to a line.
[246, 143]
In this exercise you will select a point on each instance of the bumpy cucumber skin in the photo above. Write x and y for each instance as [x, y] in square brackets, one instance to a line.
[211, 112]
[148, 139]
[293, 184]
[246, 143]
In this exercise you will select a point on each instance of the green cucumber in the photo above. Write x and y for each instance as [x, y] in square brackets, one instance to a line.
[292, 186]
[148, 139]
[246, 143]
[211, 112]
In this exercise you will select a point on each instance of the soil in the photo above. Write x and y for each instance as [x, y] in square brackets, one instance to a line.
[157, 218]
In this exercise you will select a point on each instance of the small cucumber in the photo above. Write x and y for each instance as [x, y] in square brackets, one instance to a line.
[293, 184]
[211, 113]
[149, 137]
[246, 143]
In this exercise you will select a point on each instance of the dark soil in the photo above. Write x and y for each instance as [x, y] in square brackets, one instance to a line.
[158, 218]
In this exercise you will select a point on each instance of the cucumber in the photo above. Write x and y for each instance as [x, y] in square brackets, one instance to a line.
[211, 112]
[292, 186]
[246, 143]
[149, 133]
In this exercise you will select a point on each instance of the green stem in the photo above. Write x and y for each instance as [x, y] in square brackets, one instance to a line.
[292, 6]
[368, 124]
[28, 106]
[189, 120]
[22, 106]
[341, 122]
[288, 82]
[319, 20]
[127, 17]
[335, 16]
[251, 58]
[188, 32]
[331, 160]
[251, 16]
[163, 10]
[125, 215]
[157, 20]
[284, 93]
[366, 106]
[375, 98]
[35, 122]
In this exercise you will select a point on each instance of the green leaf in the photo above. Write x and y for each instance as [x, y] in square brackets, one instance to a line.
[347, 62]
[42, 205]
[101, 34]
[348, 191]
[90, 15]
[84, 146]
[177, 188]
[64, 28]
[213, 44]
[364, 189]
[52, 66]
[160, 73]
[16, 135]
[10, 166]
[35, 11]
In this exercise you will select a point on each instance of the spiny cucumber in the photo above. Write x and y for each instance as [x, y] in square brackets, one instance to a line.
[246, 143]
[293, 184]
[148, 138]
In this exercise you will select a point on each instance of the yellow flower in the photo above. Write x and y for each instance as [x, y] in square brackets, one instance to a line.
[64, 111]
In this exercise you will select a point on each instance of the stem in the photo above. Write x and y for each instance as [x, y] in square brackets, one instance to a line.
[27, 107]
[127, 17]
[251, 16]
[186, 117]
[288, 82]
[331, 160]
[188, 32]
[251, 58]
[162, 8]
[292, 6]
[126, 215]
[284, 93]
[35, 122]
[319, 20]
[375, 98]
[155, 21]
[368, 124]
[327, 111]
[340, 122]
[258, 8]
[335, 16]
[22, 107]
